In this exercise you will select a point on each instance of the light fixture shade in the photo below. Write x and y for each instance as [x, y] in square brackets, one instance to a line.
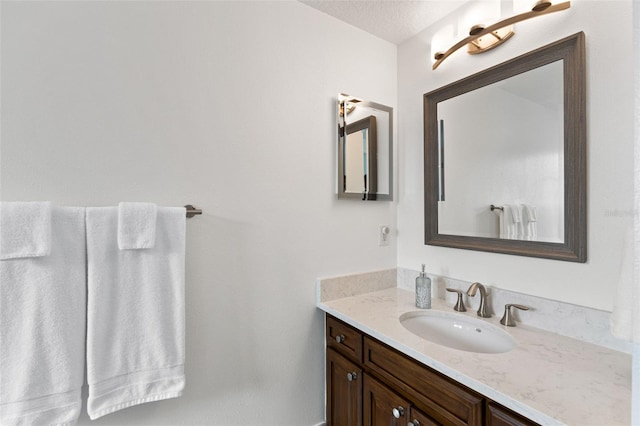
[491, 40]
[486, 38]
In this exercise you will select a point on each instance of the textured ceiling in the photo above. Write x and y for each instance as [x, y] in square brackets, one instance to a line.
[392, 20]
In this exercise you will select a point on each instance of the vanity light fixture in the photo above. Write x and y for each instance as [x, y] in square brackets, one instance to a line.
[349, 107]
[482, 38]
[348, 103]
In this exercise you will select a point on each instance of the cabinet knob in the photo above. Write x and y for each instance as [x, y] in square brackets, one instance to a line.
[398, 412]
[352, 376]
[415, 422]
[340, 338]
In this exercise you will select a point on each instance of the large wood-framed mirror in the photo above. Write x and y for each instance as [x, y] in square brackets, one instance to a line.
[505, 157]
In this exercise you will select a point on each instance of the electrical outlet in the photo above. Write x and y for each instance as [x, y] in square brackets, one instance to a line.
[384, 234]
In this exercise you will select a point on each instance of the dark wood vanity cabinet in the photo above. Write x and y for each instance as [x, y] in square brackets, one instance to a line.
[372, 384]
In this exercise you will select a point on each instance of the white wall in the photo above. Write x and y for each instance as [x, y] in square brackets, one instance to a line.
[229, 106]
[610, 156]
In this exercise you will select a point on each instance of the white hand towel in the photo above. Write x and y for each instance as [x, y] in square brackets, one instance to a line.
[42, 328]
[530, 212]
[517, 229]
[508, 224]
[135, 313]
[25, 229]
[530, 224]
[136, 225]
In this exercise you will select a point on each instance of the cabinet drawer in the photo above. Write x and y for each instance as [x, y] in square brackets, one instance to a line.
[344, 339]
[497, 415]
[417, 418]
[438, 397]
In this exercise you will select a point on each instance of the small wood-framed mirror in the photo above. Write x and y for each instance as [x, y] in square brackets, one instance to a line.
[495, 178]
[365, 149]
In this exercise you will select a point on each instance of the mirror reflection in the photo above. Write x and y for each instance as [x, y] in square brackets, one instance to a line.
[360, 163]
[365, 147]
[502, 145]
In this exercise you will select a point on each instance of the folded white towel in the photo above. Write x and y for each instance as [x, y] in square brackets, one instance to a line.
[25, 229]
[42, 328]
[136, 225]
[135, 313]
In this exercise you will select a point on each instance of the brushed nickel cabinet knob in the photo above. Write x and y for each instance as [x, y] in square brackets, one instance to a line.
[398, 412]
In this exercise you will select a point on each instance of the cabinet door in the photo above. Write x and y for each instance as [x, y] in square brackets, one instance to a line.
[418, 418]
[344, 391]
[498, 415]
[382, 407]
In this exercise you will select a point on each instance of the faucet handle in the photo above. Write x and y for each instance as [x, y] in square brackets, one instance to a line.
[507, 318]
[459, 304]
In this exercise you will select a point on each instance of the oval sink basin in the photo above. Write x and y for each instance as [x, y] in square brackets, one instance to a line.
[457, 331]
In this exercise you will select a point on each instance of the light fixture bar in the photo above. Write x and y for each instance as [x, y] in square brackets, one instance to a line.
[538, 10]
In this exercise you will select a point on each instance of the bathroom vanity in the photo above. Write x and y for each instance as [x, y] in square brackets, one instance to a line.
[370, 383]
[379, 373]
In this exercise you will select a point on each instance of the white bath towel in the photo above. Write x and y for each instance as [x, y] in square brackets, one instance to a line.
[517, 230]
[135, 313]
[136, 225]
[529, 222]
[503, 224]
[508, 226]
[42, 328]
[25, 229]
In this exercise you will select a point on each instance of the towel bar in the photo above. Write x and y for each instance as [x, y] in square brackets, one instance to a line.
[192, 211]
[492, 207]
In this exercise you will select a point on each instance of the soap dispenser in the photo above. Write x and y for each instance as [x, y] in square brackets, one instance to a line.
[423, 290]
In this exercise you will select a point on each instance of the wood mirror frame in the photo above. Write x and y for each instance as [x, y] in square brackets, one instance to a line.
[571, 51]
[370, 178]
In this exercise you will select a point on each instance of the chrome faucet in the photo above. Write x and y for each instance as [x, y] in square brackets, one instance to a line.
[482, 309]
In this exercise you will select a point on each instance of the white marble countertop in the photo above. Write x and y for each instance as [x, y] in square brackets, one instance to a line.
[548, 378]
